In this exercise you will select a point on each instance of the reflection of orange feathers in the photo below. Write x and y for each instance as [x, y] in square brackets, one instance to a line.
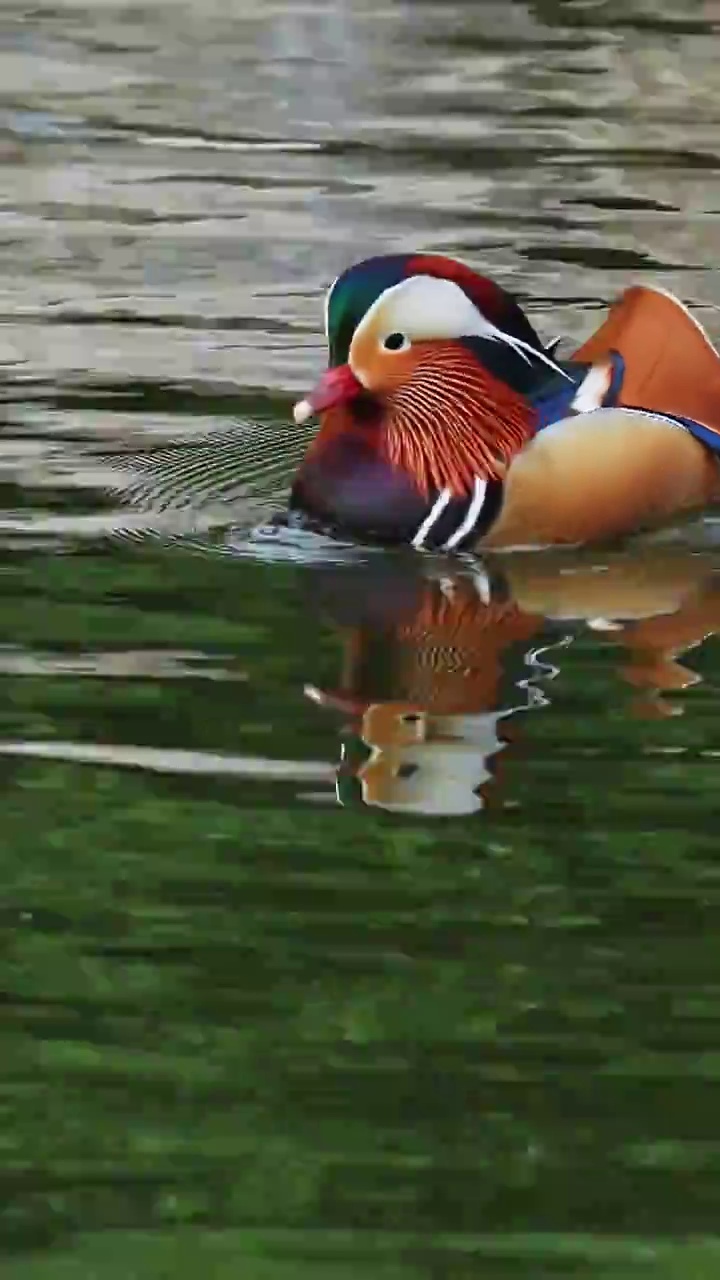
[670, 365]
[452, 649]
[446, 658]
[654, 644]
[653, 603]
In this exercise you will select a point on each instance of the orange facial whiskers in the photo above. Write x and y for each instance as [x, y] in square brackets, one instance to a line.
[451, 421]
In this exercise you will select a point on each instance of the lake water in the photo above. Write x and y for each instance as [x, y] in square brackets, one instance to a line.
[358, 909]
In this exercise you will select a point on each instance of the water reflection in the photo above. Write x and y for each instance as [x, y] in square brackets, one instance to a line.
[250, 1034]
[441, 663]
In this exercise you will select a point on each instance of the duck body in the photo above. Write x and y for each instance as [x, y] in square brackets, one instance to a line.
[447, 424]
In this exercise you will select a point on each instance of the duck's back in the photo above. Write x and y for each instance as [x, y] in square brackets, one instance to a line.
[670, 365]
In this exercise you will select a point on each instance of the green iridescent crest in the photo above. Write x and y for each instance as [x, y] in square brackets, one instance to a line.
[351, 297]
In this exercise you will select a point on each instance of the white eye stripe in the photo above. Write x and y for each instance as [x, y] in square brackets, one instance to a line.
[428, 307]
[421, 307]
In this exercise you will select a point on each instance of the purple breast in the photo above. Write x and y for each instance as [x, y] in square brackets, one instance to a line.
[348, 485]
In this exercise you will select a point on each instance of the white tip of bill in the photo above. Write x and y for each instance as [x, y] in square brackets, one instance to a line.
[316, 695]
[302, 411]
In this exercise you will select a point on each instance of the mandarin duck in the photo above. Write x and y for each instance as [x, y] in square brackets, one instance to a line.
[437, 669]
[445, 422]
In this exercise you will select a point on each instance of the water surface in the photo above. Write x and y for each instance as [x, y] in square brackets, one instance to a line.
[359, 909]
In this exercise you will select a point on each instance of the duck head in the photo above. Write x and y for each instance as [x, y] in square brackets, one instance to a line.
[426, 400]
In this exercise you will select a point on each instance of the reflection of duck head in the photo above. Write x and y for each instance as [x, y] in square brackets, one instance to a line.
[435, 667]
[420, 763]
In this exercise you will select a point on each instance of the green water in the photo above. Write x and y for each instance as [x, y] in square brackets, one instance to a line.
[358, 910]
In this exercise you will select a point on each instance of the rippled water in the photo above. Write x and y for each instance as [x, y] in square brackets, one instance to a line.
[359, 908]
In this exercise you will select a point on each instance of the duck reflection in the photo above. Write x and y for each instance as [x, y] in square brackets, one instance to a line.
[440, 662]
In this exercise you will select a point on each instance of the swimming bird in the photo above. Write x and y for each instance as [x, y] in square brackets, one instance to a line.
[446, 423]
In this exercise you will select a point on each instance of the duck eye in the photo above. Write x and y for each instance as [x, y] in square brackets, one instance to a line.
[395, 342]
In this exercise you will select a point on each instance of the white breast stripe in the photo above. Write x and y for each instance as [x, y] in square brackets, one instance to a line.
[472, 516]
[429, 521]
